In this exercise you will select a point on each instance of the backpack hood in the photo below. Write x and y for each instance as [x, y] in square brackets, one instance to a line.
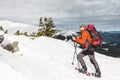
[91, 27]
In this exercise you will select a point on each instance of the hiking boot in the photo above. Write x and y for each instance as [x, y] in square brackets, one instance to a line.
[83, 70]
[98, 73]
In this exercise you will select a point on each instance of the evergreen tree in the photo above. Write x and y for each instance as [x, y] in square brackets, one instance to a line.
[17, 32]
[40, 22]
[47, 25]
[6, 32]
[25, 33]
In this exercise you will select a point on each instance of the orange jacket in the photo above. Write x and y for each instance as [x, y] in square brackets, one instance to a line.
[85, 36]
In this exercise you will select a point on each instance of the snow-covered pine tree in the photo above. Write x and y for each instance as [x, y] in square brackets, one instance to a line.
[47, 25]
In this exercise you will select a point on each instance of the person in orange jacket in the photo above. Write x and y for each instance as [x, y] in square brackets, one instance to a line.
[86, 40]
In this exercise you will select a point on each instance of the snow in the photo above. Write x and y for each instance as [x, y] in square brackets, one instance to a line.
[12, 27]
[1, 33]
[46, 58]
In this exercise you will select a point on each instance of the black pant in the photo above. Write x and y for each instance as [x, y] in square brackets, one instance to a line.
[90, 53]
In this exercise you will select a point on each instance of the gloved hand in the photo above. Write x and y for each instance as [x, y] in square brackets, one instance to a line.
[73, 38]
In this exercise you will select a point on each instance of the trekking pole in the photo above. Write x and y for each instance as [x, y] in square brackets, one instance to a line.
[75, 54]
[75, 45]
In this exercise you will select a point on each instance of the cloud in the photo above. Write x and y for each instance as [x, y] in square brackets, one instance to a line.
[33, 9]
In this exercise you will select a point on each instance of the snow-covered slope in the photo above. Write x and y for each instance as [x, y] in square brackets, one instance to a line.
[49, 59]
[12, 27]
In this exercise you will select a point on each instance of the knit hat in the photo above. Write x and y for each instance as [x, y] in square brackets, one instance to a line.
[83, 25]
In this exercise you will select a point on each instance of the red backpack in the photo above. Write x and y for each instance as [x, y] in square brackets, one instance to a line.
[96, 38]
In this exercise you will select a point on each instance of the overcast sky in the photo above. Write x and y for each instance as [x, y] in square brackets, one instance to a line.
[31, 10]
